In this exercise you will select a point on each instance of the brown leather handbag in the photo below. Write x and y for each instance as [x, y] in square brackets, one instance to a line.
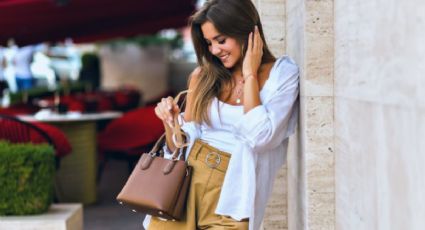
[159, 186]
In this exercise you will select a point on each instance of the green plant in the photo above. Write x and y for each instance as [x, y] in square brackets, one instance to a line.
[26, 178]
[175, 42]
[38, 92]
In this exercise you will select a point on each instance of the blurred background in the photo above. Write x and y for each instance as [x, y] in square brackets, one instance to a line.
[92, 44]
[87, 74]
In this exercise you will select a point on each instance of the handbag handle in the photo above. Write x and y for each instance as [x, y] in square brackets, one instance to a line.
[156, 146]
[178, 135]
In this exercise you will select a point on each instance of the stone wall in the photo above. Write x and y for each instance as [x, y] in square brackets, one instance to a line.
[297, 210]
[380, 114]
[356, 162]
[309, 194]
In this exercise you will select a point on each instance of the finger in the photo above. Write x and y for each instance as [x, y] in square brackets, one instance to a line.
[165, 112]
[249, 41]
[169, 102]
[176, 109]
[164, 108]
[159, 112]
[257, 40]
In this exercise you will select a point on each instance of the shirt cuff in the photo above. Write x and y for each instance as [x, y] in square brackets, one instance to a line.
[167, 153]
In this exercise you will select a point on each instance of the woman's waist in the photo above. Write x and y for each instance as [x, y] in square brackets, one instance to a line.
[214, 158]
[224, 141]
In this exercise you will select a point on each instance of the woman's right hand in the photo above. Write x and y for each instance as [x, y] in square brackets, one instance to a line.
[166, 110]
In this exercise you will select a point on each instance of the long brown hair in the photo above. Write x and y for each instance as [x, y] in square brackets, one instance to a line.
[232, 18]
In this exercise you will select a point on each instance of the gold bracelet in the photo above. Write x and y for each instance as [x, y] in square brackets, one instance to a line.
[247, 76]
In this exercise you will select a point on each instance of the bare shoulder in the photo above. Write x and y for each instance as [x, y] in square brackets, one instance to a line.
[193, 81]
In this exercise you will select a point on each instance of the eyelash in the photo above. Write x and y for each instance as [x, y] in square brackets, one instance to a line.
[221, 42]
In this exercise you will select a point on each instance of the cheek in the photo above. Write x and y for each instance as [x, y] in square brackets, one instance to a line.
[235, 47]
[236, 52]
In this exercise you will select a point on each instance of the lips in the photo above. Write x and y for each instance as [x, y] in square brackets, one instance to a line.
[224, 57]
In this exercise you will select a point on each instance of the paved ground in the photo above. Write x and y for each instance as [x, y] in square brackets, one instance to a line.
[107, 214]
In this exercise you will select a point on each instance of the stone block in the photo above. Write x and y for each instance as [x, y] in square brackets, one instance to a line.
[319, 49]
[59, 217]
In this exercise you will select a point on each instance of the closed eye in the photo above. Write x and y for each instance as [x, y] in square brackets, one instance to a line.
[220, 40]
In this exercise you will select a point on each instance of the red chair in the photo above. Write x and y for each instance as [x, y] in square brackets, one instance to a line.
[59, 140]
[126, 99]
[129, 136]
[18, 131]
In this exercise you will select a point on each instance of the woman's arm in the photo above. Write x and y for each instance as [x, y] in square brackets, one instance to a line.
[167, 109]
[250, 67]
[267, 125]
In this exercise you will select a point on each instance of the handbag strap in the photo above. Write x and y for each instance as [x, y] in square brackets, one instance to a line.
[157, 145]
[178, 135]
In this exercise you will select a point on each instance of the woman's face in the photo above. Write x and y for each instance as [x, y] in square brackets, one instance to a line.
[225, 48]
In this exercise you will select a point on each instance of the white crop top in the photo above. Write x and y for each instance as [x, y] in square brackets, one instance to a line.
[223, 116]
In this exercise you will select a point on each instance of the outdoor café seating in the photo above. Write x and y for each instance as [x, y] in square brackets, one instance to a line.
[18, 131]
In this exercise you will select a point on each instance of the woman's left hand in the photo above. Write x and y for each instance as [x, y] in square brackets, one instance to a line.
[254, 53]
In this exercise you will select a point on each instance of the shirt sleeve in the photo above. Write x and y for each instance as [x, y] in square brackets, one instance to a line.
[167, 153]
[267, 125]
[191, 128]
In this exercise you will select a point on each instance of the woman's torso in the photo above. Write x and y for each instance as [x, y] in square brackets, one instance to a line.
[222, 116]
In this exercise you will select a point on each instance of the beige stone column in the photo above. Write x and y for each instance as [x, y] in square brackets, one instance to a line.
[311, 178]
[317, 120]
[304, 192]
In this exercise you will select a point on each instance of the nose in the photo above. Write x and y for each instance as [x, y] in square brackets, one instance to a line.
[214, 49]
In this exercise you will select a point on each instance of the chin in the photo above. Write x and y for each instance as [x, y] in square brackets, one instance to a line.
[228, 64]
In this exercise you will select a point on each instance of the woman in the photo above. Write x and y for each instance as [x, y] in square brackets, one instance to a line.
[241, 109]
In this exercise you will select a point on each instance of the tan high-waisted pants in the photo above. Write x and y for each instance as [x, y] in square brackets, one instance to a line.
[209, 167]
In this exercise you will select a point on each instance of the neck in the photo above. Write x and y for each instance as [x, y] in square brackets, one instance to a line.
[236, 70]
[237, 75]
